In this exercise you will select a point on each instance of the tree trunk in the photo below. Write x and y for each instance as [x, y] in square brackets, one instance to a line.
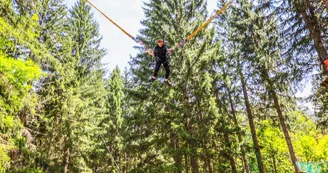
[177, 157]
[227, 143]
[208, 165]
[281, 118]
[228, 155]
[285, 130]
[186, 163]
[251, 121]
[313, 26]
[326, 3]
[274, 164]
[192, 144]
[66, 160]
[243, 154]
[67, 147]
[194, 161]
[125, 165]
[266, 77]
[193, 157]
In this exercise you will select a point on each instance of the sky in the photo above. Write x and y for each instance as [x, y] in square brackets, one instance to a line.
[127, 14]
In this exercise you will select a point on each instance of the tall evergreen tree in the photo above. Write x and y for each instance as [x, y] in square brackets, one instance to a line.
[55, 86]
[89, 88]
[181, 121]
[265, 44]
[236, 36]
[258, 43]
[110, 145]
[74, 84]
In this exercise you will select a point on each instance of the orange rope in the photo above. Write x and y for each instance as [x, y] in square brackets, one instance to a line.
[179, 44]
[111, 20]
[210, 19]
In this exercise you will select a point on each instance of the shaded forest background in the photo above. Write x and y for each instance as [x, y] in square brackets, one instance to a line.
[233, 108]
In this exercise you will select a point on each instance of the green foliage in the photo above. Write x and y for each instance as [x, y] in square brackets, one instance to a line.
[24, 31]
[309, 143]
[275, 151]
[115, 97]
[73, 96]
[28, 170]
[18, 74]
[16, 77]
[174, 126]
[4, 158]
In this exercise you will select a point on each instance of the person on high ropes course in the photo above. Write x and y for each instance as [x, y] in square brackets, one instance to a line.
[161, 54]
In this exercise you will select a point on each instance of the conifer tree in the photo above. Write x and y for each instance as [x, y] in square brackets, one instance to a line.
[232, 108]
[110, 145]
[265, 44]
[258, 43]
[234, 33]
[182, 119]
[74, 84]
[54, 89]
[89, 88]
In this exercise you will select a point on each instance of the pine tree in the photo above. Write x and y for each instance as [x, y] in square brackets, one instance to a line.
[111, 127]
[227, 85]
[261, 45]
[308, 12]
[74, 86]
[23, 27]
[234, 34]
[183, 119]
[232, 109]
[227, 91]
[116, 96]
[265, 44]
[89, 89]
[54, 89]
[251, 119]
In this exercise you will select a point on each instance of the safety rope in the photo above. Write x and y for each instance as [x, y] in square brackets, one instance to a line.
[182, 42]
[111, 20]
[133, 38]
[209, 20]
[217, 13]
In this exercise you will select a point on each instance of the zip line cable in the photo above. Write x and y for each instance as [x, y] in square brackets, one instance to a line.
[181, 43]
